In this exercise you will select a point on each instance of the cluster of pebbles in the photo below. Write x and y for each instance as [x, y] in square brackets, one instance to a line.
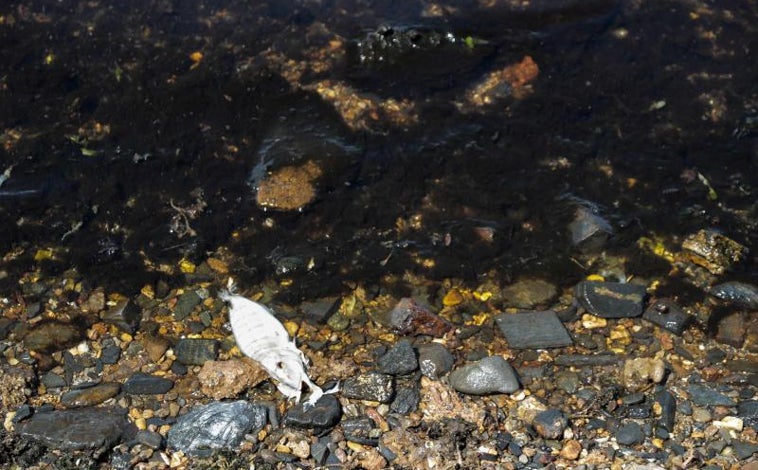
[467, 378]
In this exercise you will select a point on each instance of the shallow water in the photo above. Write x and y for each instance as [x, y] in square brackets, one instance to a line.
[109, 125]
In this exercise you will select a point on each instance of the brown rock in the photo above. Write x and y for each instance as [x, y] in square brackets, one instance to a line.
[731, 329]
[227, 379]
[90, 396]
[529, 293]
[155, 346]
[571, 449]
[410, 318]
[713, 251]
[288, 188]
[50, 336]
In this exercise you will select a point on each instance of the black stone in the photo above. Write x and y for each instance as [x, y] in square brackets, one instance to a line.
[550, 423]
[149, 438]
[86, 428]
[320, 310]
[630, 434]
[667, 402]
[145, 384]
[325, 414]
[215, 426]
[357, 429]
[740, 294]
[611, 299]
[53, 380]
[196, 351]
[434, 360]
[23, 412]
[110, 354]
[703, 395]
[666, 314]
[406, 400]
[748, 412]
[533, 330]
[371, 386]
[399, 360]
[185, 304]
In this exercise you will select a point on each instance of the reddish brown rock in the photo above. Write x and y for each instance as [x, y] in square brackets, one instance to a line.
[227, 379]
[288, 188]
[410, 318]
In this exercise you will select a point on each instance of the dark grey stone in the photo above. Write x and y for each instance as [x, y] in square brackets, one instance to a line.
[110, 354]
[320, 310]
[406, 400]
[196, 351]
[23, 412]
[215, 426]
[145, 384]
[151, 439]
[53, 380]
[86, 428]
[434, 360]
[703, 395]
[185, 304]
[748, 412]
[126, 315]
[399, 360]
[611, 299]
[666, 314]
[371, 386]
[550, 423]
[587, 360]
[667, 402]
[568, 381]
[357, 429]
[744, 450]
[492, 374]
[533, 330]
[740, 294]
[630, 434]
[589, 231]
[6, 325]
[325, 414]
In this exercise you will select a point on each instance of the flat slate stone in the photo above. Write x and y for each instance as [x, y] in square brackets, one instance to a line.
[196, 351]
[533, 330]
[85, 428]
[145, 384]
[611, 299]
[703, 395]
[324, 414]
[666, 314]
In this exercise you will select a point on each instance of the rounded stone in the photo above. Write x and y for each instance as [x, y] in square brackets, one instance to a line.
[492, 374]
[630, 434]
[434, 360]
[399, 360]
[550, 423]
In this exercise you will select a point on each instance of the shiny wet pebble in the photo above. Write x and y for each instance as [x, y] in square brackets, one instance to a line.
[49, 336]
[215, 426]
[533, 330]
[126, 315]
[492, 374]
[151, 439]
[434, 360]
[408, 317]
[630, 434]
[550, 423]
[90, 396]
[371, 386]
[145, 384]
[399, 360]
[748, 411]
[740, 294]
[86, 428]
[666, 314]
[195, 351]
[325, 414]
[611, 299]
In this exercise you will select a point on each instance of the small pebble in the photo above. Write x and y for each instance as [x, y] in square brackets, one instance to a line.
[145, 384]
[533, 330]
[630, 434]
[730, 422]
[492, 374]
[611, 299]
[406, 400]
[571, 450]
[701, 415]
[434, 360]
[195, 351]
[705, 396]
[399, 360]
[550, 423]
[325, 414]
[371, 386]
[90, 396]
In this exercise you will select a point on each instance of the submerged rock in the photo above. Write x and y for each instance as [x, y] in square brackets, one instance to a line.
[611, 299]
[50, 336]
[492, 374]
[325, 414]
[408, 317]
[666, 314]
[715, 252]
[371, 386]
[434, 360]
[740, 294]
[533, 330]
[399, 360]
[288, 188]
[86, 428]
[90, 396]
[215, 426]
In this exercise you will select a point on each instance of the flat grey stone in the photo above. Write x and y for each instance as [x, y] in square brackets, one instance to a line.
[666, 314]
[215, 426]
[196, 351]
[630, 434]
[185, 304]
[145, 384]
[85, 428]
[492, 374]
[748, 411]
[611, 299]
[703, 395]
[587, 360]
[533, 330]
[324, 414]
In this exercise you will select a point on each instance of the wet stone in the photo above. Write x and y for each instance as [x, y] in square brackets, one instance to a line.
[667, 403]
[22, 412]
[126, 315]
[740, 294]
[528, 293]
[408, 317]
[371, 386]
[185, 304]
[434, 360]
[568, 381]
[6, 325]
[705, 396]
[145, 384]
[630, 434]
[321, 309]
[90, 396]
[611, 299]
[215, 426]
[406, 400]
[492, 374]
[50, 336]
[195, 351]
[357, 429]
[151, 439]
[110, 354]
[227, 379]
[86, 428]
[587, 360]
[550, 423]
[53, 380]
[666, 314]
[325, 414]
[155, 346]
[533, 330]
[743, 449]
[713, 251]
[399, 360]
[748, 412]
[731, 329]
[589, 231]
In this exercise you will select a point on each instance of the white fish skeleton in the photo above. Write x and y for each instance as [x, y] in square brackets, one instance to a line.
[262, 337]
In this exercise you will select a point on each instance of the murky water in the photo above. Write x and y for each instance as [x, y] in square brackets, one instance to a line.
[132, 133]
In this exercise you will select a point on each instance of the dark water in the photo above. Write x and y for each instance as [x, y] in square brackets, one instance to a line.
[106, 122]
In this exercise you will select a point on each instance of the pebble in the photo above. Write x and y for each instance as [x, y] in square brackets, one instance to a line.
[639, 372]
[571, 450]
[434, 360]
[611, 299]
[748, 411]
[151, 439]
[50, 336]
[372, 386]
[145, 384]
[589, 231]
[705, 396]
[406, 400]
[227, 379]
[318, 311]
[730, 422]
[667, 403]
[492, 374]
[6, 325]
[215, 426]
[587, 360]
[533, 330]
[325, 414]
[126, 315]
[567, 381]
[22, 412]
[666, 314]
[408, 317]
[701, 415]
[110, 354]
[399, 360]
[185, 304]
[357, 429]
[195, 351]
[740, 294]
[550, 423]
[528, 293]
[731, 329]
[90, 396]
[630, 434]
[744, 450]
[155, 346]
[85, 428]
[53, 380]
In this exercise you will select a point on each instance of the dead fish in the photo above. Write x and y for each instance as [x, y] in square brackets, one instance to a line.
[739, 293]
[261, 337]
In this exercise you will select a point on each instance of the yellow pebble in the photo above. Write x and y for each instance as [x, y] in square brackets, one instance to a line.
[41, 255]
[483, 296]
[218, 265]
[291, 327]
[147, 291]
[595, 277]
[354, 446]
[453, 297]
[126, 338]
[186, 266]
[141, 423]
[592, 321]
